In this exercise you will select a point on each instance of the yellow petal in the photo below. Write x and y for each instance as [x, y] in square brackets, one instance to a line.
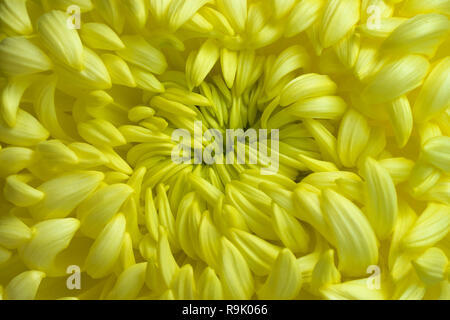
[401, 118]
[307, 86]
[381, 198]
[434, 96]
[168, 266]
[325, 272]
[19, 56]
[129, 283]
[20, 193]
[284, 281]
[27, 131]
[24, 286]
[119, 70]
[354, 133]
[338, 18]
[11, 97]
[396, 79]
[188, 225]
[355, 240]
[412, 7]
[63, 42]
[180, 11]
[237, 280]
[55, 152]
[303, 15]
[398, 168]
[352, 290]
[183, 286]
[437, 152]
[94, 76]
[5, 255]
[139, 52]
[145, 80]
[307, 199]
[289, 230]
[431, 226]
[235, 11]
[49, 238]
[205, 60]
[112, 12]
[14, 15]
[105, 251]
[326, 107]
[13, 232]
[14, 159]
[259, 254]
[431, 266]
[65, 193]
[421, 34]
[101, 132]
[97, 210]
[100, 36]
[137, 12]
[209, 286]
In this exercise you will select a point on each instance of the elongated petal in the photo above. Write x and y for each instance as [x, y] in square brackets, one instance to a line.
[238, 282]
[19, 56]
[259, 254]
[353, 136]
[168, 266]
[290, 231]
[421, 34]
[101, 132]
[49, 238]
[13, 232]
[100, 36]
[355, 240]
[183, 286]
[106, 249]
[112, 12]
[24, 286]
[62, 41]
[27, 131]
[307, 86]
[14, 159]
[209, 286]
[303, 15]
[96, 211]
[205, 60]
[396, 79]
[129, 283]
[56, 153]
[325, 272]
[381, 198]
[352, 290]
[437, 152]
[338, 18]
[400, 115]
[434, 95]
[14, 14]
[140, 53]
[431, 226]
[285, 279]
[119, 70]
[235, 11]
[180, 11]
[431, 266]
[20, 193]
[65, 193]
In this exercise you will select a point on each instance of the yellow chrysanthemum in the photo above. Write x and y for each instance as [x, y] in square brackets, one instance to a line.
[349, 199]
